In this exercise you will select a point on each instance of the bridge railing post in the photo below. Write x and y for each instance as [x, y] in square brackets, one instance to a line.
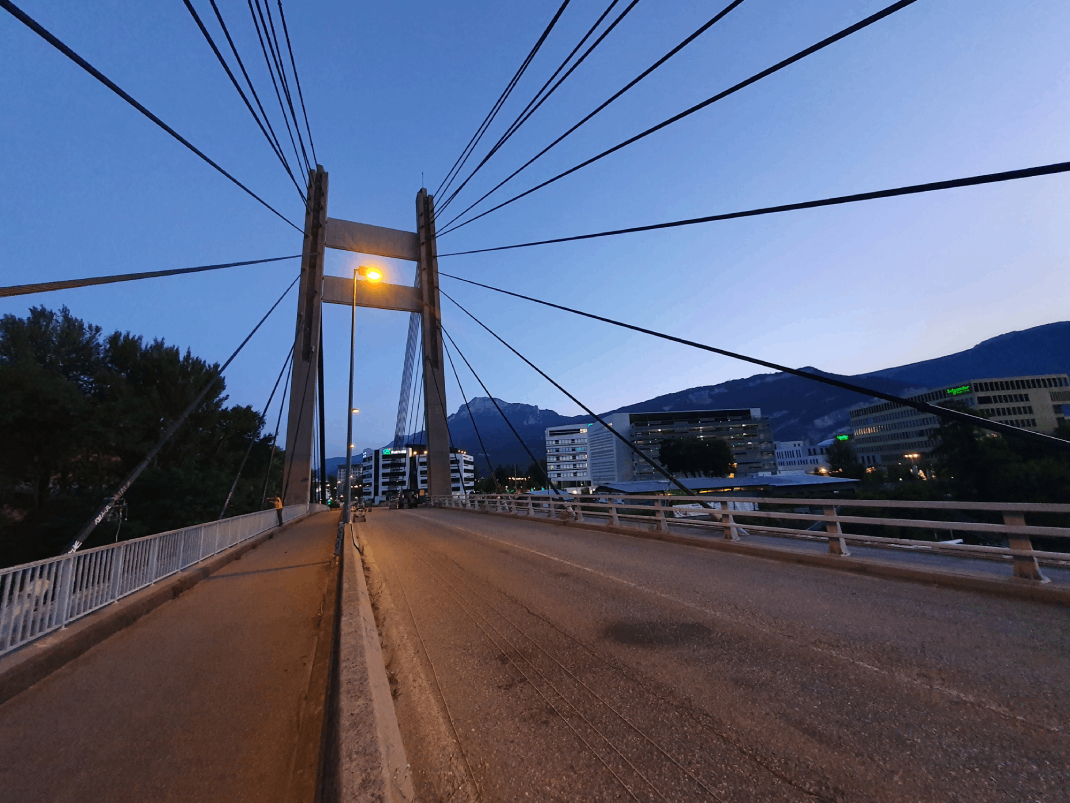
[659, 514]
[115, 578]
[153, 556]
[63, 599]
[1025, 566]
[728, 521]
[837, 546]
[614, 518]
[531, 507]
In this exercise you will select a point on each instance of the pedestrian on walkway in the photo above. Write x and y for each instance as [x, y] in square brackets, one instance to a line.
[278, 508]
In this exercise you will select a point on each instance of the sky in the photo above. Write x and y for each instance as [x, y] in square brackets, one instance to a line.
[394, 91]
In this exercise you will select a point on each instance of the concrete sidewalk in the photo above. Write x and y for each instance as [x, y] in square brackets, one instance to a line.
[202, 699]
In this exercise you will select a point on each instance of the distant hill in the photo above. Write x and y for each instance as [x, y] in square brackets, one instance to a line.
[798, 408]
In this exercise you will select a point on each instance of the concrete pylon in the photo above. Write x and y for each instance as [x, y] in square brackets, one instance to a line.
[438, 436]
[297, 477]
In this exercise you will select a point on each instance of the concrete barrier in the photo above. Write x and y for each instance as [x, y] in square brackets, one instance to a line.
[364, 757]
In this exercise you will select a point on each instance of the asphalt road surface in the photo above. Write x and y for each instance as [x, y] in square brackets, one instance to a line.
[535, 662]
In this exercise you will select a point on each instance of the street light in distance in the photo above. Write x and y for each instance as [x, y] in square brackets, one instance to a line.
[369, 273]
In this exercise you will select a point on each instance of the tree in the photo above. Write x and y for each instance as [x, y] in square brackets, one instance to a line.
[537, 474]
[843, 460]
[80, 410]
[703, 457]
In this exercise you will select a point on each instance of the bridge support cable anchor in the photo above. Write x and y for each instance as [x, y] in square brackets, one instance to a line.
[635, 449]
[110, 502]
[923, 407]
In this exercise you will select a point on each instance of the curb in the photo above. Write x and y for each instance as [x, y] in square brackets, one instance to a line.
[1012, 588]
[367, 759]
[37, 660]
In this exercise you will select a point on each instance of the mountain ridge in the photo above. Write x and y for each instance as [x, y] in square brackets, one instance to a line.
[798, 409]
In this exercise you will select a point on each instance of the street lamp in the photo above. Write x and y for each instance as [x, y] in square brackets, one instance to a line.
[369, 273]
[347, 508]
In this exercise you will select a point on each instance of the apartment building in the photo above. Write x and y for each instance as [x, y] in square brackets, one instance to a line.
[566, 456]
[388, 472]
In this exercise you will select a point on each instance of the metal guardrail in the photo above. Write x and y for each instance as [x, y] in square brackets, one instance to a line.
[37, 598]
[657, 513]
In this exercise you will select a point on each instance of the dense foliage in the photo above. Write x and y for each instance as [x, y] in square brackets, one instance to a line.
[78, 410]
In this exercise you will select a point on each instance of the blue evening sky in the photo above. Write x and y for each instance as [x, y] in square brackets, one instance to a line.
[942, 89]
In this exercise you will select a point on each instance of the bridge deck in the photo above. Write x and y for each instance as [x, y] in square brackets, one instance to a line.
[201, 699]
[577, 665]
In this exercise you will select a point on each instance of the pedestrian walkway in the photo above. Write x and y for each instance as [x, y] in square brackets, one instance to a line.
[206, 698]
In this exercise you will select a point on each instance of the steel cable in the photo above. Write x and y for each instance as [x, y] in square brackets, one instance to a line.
[253, 440]
[505, 418]
[635, 449]
[241, 92]
[297, 81]
[472, 418]
[109, 503]
[858, 26]
[38, 29]
[264, 47]
[931, 409]
[67, 284]
[698, 32]
[275, 437]
[912, 189]
[280, 65]
[459, 164]
[256, 97]
[540, 98]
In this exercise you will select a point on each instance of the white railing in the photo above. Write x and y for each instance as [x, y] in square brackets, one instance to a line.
[762, 516]
[37, 598]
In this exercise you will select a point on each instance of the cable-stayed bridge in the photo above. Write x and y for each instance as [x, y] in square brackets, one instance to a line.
[527, 646]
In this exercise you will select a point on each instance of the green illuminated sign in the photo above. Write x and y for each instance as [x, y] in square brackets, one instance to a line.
[958, 390]
[843, 437]
[386, 451]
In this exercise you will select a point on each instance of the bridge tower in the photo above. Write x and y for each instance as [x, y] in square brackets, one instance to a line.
[438, 435]
[297, 477]
[322, 232]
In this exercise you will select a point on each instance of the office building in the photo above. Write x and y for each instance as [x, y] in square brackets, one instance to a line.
[566, 456]
[748, 434]
[894, 434]
[388, 472]
[802, 457]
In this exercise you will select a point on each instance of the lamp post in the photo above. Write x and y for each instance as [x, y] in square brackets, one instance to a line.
[371, 275]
